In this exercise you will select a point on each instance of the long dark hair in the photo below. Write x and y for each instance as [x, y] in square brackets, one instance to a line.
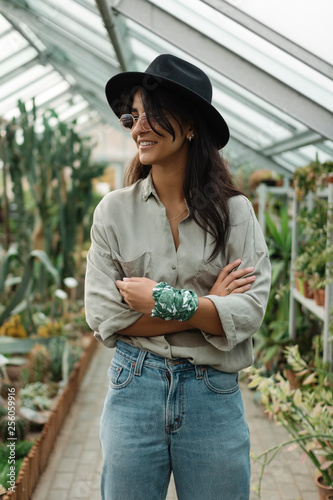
[208, 182]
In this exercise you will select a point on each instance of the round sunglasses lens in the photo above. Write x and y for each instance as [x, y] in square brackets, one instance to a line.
[148, 125]
[126, 122]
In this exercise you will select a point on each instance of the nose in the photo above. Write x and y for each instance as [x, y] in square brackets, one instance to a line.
[137, 127]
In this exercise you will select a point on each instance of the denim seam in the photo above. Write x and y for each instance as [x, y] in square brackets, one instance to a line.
[165, 484]
[223, 392]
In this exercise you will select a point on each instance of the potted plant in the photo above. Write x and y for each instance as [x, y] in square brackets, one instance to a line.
[304, 410]
[311, 177]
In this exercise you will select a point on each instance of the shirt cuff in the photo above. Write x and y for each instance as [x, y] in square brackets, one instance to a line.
[227, 341]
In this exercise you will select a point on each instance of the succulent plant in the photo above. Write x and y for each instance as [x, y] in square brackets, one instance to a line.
[40, 363]
[13, 328]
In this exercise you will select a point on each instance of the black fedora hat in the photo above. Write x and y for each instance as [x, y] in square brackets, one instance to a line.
[171, 72]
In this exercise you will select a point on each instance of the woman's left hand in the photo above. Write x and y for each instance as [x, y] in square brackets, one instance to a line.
[138, 293]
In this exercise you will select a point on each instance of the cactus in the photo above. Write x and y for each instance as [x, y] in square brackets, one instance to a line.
[21, 427]
[56, 348]
[39, 363]
[5, 385]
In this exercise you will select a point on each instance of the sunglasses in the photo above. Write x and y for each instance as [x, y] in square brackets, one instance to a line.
[128, 122]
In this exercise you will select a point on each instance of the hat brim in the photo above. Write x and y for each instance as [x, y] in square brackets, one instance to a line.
[116, 86]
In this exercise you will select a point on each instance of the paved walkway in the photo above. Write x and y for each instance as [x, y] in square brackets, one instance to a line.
[73, 470]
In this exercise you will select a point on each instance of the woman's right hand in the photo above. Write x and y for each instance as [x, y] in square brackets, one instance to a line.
[232, 280]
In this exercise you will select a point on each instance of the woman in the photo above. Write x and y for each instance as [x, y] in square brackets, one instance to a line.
[177, 279]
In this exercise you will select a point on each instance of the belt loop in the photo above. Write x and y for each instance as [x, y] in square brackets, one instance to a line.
[139, 362]
[198, 371]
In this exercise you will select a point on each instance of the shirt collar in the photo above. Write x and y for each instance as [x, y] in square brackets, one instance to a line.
[148, 187]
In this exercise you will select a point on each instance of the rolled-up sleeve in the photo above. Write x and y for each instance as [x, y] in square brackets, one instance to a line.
[106, 313]
[242, 314]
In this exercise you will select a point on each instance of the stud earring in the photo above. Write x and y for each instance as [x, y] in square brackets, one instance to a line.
[190, 137]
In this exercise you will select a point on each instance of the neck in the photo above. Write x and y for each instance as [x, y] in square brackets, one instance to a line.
[168, 183]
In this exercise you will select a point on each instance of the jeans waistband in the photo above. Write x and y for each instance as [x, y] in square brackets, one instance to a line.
[143, 357]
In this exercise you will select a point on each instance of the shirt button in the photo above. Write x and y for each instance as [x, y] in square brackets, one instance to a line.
[174, 267]
[166, 347]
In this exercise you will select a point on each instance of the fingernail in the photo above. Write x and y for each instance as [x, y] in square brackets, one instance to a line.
[238, 261]
[250, 269]
[248, 286]
[125, 279]
[252, 278]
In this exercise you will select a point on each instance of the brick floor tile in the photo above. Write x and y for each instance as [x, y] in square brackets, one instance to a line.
[62, 480]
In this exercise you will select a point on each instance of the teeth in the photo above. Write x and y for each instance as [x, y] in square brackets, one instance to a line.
[147, 143]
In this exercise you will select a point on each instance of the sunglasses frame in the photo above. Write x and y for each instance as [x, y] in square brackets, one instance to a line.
[135, 121]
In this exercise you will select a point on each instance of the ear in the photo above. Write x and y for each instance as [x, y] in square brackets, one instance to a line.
[189, 132]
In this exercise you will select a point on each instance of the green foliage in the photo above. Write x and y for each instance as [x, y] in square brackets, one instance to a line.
[25, 291]
[22, 449]
[314, 254]
[47, 203]
[273, 334]
[56, 348]
[303, 407]
[21, 427]
[55, 163]
[35, 396]
[311, 177]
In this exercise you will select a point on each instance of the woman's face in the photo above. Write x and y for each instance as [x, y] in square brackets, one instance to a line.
[156, 149]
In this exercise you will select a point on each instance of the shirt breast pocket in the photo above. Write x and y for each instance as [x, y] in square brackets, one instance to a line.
[139, 267]
[206, 275]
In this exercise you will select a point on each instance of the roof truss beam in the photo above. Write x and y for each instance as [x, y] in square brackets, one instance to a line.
[41, 25]
[120, 44]
[297, 141]
[231, 65]
[249, 155]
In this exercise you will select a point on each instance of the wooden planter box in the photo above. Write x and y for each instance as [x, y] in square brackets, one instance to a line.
[34, 464]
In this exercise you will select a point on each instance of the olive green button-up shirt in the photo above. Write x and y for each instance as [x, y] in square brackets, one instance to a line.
[131, 236]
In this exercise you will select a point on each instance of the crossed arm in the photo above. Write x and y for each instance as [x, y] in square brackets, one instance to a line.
[137, 293]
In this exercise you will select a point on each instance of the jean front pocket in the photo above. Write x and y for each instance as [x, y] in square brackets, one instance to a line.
[220, 382]
[121, 372]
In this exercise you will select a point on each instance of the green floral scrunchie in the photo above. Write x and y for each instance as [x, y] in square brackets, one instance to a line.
[173, 304]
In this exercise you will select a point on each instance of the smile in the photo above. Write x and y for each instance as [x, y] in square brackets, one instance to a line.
[144, 144]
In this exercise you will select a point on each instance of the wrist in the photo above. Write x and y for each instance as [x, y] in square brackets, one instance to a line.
[173, 304]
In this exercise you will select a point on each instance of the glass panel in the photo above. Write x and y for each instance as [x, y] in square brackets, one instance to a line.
[10, 44]
[309, 24]
[17, 60]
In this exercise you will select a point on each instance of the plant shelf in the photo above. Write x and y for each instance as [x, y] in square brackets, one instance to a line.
[310, 304]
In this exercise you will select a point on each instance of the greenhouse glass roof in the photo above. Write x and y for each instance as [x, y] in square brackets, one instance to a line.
[271, 65]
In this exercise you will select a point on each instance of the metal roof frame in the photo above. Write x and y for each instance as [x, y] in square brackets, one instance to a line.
[273, 124]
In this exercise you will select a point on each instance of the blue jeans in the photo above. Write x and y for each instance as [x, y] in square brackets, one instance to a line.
[163, 415]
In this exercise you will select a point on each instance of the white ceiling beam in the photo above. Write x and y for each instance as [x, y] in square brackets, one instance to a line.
[297, 141]
[14, 73]
[245, 154]
[120, 44]
[228, 63]
[43, 26]
[272, 36]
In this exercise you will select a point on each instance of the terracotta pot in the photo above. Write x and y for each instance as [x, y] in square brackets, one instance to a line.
[323, 490]
[308, 293]
[316, 297]
[322, 296]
